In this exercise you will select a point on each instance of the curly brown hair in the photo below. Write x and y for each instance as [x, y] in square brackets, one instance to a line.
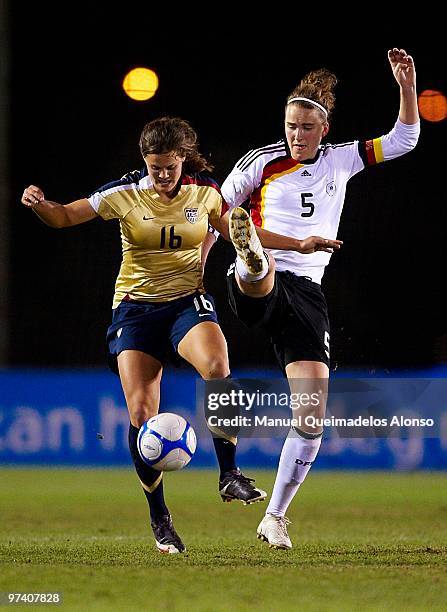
[317, 85]
[172, 134]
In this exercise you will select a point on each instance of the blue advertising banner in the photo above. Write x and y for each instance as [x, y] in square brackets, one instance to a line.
[79, 418]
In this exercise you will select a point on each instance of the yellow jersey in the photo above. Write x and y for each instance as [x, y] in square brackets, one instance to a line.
[161, 242]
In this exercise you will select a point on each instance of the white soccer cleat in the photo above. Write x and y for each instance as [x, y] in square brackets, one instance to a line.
[245, 240]
[273, 529]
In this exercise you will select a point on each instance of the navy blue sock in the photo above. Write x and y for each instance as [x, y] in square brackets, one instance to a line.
[226, 455]
[148, 476]
[226, 450]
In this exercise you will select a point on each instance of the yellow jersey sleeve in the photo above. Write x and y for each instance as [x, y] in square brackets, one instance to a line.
[114, 203]
[212, 199]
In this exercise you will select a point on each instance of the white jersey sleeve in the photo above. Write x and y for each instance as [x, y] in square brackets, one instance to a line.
[400, 140]
[246, 175]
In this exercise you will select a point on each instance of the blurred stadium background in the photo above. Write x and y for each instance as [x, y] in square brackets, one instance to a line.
[67, 126]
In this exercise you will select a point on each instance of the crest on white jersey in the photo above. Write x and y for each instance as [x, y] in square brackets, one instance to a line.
[331, 188]
[192, 214]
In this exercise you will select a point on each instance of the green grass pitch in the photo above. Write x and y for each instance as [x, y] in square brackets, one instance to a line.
[362, 541]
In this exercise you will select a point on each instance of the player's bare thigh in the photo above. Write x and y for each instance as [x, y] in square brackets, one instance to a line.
[205, 348]
[140, 376]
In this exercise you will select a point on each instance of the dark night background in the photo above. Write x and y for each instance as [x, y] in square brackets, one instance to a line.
[74, 129]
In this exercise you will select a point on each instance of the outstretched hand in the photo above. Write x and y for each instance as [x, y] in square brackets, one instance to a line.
[316, 243]
[403, 68]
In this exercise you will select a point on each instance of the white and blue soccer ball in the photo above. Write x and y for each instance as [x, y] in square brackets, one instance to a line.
[167, 442]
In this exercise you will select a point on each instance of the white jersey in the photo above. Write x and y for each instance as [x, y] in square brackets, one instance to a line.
[302, 199]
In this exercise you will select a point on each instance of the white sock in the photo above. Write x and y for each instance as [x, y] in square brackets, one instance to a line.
[296, 459]
[246, 275]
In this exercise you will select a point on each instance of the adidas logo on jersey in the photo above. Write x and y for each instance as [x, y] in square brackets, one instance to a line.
[305, 173]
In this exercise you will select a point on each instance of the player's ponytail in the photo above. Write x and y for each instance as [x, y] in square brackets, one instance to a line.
[172, 134]
[317, 87]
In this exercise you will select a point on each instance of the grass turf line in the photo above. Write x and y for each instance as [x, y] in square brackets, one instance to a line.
[375, 540]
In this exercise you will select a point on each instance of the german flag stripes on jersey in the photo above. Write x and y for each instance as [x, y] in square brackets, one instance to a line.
[161, 242]
[302, 199]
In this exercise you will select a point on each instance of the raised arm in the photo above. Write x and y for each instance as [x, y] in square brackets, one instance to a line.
[404, 72]
[55, 214]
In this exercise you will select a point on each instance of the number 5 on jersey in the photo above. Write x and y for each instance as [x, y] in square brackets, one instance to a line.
[326, 343]
[309, 205]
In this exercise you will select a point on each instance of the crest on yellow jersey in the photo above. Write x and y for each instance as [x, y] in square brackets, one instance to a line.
[192, 214]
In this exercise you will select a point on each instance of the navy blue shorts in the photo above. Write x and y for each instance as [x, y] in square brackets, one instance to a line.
[156, 328]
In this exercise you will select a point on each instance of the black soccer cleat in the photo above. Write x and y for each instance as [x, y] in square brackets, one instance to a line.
[234, 485]
[166, 537]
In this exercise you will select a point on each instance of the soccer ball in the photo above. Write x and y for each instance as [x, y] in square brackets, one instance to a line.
[167, 442]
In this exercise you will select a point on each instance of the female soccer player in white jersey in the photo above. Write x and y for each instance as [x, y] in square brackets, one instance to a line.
[296, 187]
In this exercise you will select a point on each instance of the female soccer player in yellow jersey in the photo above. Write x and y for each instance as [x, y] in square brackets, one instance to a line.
[297, 187]
[160, 303]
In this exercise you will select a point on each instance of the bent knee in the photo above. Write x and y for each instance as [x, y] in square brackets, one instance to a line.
[216, 367]
[140, 412]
